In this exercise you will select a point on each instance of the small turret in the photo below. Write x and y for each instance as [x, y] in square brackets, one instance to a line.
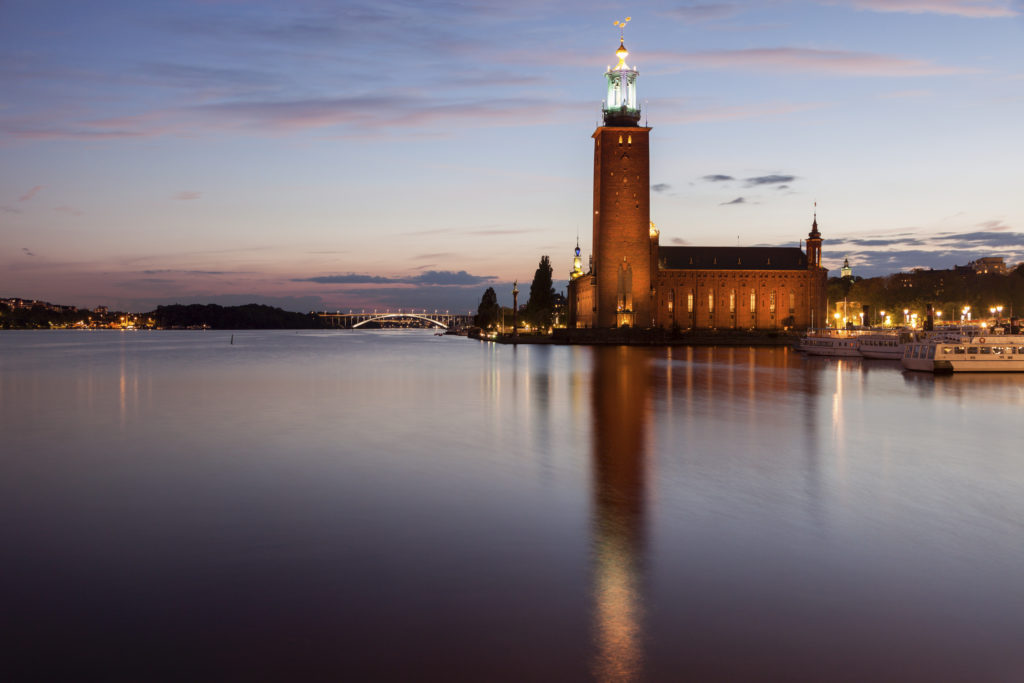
[814, 243]
[577, 263]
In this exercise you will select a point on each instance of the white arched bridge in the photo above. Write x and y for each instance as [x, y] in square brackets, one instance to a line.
[411, 317]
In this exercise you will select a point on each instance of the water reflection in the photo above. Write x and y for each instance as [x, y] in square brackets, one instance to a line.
[958, 385]
[620, 392]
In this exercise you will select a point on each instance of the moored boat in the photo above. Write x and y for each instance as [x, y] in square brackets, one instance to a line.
[882, 345]
[830, 346]
[1002, 353]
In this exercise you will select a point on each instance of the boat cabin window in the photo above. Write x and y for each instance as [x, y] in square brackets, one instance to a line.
[997, 350]
[946, 350]
[931, 352]
[986, 350]
[1020, 349]
[972, 349]
[960, 351]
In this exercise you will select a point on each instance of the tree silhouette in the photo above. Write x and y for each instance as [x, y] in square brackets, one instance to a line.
[488, 313]
[541, 304]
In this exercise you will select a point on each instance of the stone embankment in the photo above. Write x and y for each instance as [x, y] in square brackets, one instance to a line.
[655, 337]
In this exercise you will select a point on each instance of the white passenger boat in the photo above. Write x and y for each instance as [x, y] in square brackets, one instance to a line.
[882, 345]
[1003, 353]
[830, 346]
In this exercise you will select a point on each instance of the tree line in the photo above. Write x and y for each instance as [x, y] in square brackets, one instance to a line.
[946, 290]
[540, 306]
[247, 317]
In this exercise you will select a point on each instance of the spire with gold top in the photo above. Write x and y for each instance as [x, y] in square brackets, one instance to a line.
[620, 106]
[577, 262]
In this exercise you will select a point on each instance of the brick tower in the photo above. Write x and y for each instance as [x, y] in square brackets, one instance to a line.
[622, 209]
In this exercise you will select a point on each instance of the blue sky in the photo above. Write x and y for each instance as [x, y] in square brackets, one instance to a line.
[359, 154]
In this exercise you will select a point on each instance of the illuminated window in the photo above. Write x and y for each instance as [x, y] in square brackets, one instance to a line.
[620, 139]
[630, 140]
[771, 302]
[753, 302]
[671, 299]
[689, 302]
[711, 302]
[792, 303]
[732, 301]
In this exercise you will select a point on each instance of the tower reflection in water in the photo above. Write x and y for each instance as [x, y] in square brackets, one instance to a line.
[621, 381]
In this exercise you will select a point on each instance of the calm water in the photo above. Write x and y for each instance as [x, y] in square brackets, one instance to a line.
[382, 505]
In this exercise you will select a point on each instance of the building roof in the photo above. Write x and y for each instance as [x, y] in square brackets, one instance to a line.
[732, 258]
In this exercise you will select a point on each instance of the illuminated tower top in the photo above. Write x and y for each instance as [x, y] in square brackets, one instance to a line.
[620, 105]
[577, 263]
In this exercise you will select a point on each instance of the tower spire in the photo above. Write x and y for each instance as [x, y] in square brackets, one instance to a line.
[814, 242]
[620, 106]
[577, 260]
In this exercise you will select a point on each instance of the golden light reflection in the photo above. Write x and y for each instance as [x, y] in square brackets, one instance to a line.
[838, 426]
[620, 399]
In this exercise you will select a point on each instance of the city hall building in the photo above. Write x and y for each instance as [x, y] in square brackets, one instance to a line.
[633, 281]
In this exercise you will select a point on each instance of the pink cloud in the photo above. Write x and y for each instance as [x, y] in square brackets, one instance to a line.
[804, 60]
[30, 194]
[70, 210]
[975, 9]
[381, 112]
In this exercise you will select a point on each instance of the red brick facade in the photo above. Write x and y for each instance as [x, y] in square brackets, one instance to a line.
[634, 282]
[622, 216]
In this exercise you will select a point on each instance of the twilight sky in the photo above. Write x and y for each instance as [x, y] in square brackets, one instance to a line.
[353, 154]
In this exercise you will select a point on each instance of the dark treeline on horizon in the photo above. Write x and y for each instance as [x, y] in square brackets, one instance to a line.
[214, 316]
[247, 317]
[947, 290]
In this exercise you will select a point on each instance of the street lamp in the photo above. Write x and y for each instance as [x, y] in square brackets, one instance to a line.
[883, 317]
[906, 315]
[515, 308]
